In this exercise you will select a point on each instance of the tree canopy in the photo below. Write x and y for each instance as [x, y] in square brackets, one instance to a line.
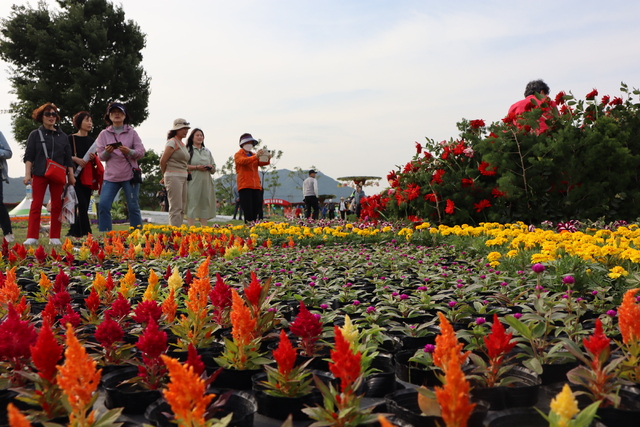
[80, 57]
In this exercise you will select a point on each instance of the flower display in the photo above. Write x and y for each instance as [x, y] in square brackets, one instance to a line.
[308, 328]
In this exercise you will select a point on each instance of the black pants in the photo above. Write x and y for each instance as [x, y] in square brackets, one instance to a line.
[5, 221]
[311, 202]
[237, 211]
[251, 201]
[82, 226]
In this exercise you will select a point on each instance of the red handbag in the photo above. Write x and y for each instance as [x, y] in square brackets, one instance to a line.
[54, 172]
[92, 175]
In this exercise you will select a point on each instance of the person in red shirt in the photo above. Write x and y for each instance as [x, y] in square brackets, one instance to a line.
[532, 92]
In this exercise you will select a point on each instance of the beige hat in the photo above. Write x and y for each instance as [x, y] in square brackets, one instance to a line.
[180, 123]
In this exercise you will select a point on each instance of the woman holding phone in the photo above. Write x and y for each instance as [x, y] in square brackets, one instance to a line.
[201, 197]
[120, 148]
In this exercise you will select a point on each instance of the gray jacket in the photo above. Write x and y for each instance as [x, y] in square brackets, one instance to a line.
[5, 153]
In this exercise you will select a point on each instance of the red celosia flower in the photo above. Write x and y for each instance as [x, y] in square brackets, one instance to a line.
[62, 281]
[40, 254]
[475, 124]
[92, 302]
[195, 360]
[437, 176]
[284, 355]
[497, 193]
[146, 311]
[484, 171]
[220, 294]
[46, 353]
[591, 95]
[450, 207]
[418, 148]
[497, 342]
[629, 318]
[481, 205]
[109, 283]
[560, 97]
[70, 317]
[467, 182]
[49, 313]
[109, 332]
[253, 292]
[345, 364]
[61, 299]
[414, 218]
[413, 191]
[16, 338]
[597, 342]
[308, 327]
[153, 342]
[120, 308]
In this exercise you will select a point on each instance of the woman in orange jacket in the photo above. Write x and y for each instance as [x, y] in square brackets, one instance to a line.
[249, 185]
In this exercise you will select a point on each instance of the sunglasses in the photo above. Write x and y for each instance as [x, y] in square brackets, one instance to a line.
[50, 114]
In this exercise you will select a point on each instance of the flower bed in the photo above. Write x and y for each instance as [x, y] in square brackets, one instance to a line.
[226, 293]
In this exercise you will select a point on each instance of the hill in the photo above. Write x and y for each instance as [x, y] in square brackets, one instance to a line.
[14, 191]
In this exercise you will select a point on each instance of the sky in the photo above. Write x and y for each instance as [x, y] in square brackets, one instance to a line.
[348, 86]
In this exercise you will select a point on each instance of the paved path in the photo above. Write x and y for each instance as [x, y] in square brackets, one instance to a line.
[156, 217]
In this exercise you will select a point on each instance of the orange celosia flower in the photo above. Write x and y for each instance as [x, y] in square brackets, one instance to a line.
[345, 364]
[127, 282]
[10, 292]
[629, 318]
[445, 342]
[44, 283]
[384, 422]
[453, 397]
[169, 306]
[185, 393]
[78, 377]
[16, 419]
[243, 325]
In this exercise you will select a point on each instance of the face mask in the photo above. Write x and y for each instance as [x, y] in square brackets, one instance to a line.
[247, 147]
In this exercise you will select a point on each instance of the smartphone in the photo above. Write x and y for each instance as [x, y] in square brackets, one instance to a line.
[208, 168]
[115, 145]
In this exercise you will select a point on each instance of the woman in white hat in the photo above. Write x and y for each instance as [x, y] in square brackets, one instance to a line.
[173, 165]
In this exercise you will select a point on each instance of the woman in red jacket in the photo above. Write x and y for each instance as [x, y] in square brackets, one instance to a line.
[249, 185]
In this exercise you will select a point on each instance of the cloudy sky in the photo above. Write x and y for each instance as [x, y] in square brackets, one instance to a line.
[349, 85]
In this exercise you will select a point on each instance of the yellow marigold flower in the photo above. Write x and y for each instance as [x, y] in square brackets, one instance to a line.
[77, 377]
[629, 318]
[565, 405]
[16, 419]
[494, 256]
[617, 271]
[185, 393]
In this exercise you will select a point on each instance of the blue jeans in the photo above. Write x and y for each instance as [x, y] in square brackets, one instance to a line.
[108, 194]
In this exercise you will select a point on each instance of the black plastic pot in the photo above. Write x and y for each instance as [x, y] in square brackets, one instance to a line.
[132, 398]
[235, 379]
[522, 393]
[524, 417]
[627, 414]
[381, 383]
[281, 407]
[556, 372]
[414, 375]
[241, 403]
[404, 405]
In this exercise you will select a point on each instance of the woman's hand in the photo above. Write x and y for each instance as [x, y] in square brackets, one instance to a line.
[79, 161]
[124, 150]
[71, 179]
[108, 148]
[27, 179]
[92, 156]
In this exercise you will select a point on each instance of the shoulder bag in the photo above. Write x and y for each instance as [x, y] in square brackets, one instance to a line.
[137, 173]
[54, 171]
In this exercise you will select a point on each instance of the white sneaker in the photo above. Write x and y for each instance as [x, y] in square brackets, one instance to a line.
[31, 241]
[9, 238]
[55, 242]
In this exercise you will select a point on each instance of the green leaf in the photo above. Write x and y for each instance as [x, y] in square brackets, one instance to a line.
[534, 365]
[519, 326]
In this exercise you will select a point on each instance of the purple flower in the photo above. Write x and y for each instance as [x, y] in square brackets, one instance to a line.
[312, 284]
[394, 294]
[277, 284]
[504, 284]
[422, 288]
[452, 304]
[460, 285]
[538, 268]
[480, 321]
[612, 313]
[594, 293]
[371, 309]
[324, 306]
[568, 280]
[404, 296]
[482, 276]
[356, 302]
[517, 315]
[429, 348]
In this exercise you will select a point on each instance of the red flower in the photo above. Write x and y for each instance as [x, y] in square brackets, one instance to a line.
[616, 101]
[92, 302]
[418, 147]
[414, 218]
[484, 171]
[392, 176]
[450, 207]
[308, 327]
[345, 364]
[153, 342]
[493, 135]
[70, 317]
[108, 332]
[476, 124]
[253, 292]
[497, 193]
[16, 337]
[497, 342]
[560, 97]
[510, 118]
[62, 281]
[481, 205]
[284, 355]
[597, 342]
[220, 294]
[591, 95]
[605, 100]
[194, 360]
[413, 191]
[467, 182]
[437, 176]
[427, 155]
[40, 254]
[431, 197]
[46, 353]
[565, 110]
[147, 311]
[120, 308]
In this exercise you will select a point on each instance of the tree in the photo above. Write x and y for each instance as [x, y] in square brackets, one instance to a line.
[270, 177]
[80, 57]
[225, 184]
[298, 175]
[151, 176]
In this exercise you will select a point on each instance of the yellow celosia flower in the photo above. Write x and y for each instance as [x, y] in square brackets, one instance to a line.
[99, 284]
[350, 332]
[127, 282]
[565, 405]
[175, 281]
